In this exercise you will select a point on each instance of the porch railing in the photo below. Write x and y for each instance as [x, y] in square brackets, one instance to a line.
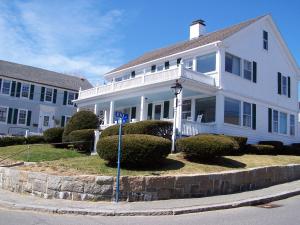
[190, 128]
[147, 79]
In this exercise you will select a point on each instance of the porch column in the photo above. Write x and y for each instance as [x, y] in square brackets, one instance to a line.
[105, 117]
[193, 108]
[96, 109]
[179, 114]
[219, 111]
[143, 106]
[78, 109]
[111, 112]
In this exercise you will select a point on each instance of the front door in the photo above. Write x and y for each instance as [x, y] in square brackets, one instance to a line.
[157, 111]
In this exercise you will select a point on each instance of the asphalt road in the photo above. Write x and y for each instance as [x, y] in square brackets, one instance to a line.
[286, 214]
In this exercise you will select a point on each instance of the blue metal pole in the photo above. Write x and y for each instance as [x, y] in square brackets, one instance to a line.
[119, 161]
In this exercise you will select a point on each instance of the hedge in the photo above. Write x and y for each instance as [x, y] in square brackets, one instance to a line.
[83, 140]
[79, 121]
[151, 127]
[276, 144]
[260, 149]
[240, 140]
[7, 141]
[138, 150]
[203, 147]
[54, 136]
[36, 139]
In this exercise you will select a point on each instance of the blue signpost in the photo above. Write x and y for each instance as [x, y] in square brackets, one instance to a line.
[122, 118]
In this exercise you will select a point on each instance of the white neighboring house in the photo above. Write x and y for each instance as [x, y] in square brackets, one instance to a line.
[241, 80]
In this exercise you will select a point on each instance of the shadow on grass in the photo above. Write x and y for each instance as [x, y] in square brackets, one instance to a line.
[165, 165]
[221, 161]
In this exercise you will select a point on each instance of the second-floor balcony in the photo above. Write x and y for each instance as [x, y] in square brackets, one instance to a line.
[150, 79]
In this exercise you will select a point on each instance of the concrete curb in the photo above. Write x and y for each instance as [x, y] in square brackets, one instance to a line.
[158, 212]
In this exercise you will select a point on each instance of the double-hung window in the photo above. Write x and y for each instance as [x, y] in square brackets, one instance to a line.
[292, 125]
[22, 117]
[247, 114]
[265, 40]
[25, 90]
[71, 97]
[48, 95]
[232, 64]
[284, 85]
[5, 87]
[160, 67]
[232, 111]
[275, 121]
[188, 63]
[3, 114]
[283, 123]
[206, 63]
[247, 70]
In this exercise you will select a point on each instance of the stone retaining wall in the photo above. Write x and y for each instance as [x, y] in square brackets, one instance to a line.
[144, 188]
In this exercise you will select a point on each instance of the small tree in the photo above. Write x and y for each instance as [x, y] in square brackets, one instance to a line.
[79, 121]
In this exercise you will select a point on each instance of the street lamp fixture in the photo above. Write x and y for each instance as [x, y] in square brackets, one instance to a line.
[176, 88]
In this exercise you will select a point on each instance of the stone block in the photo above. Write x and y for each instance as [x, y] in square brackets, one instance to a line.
[167, 182]
[72, 186]
[103, 180]
[54, 182]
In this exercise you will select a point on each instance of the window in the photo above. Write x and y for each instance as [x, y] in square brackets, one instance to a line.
[186, 108]
[178, 61]
[160, 67]
[246, 114]
[247, 70]
[22, 117]
[283, 123]
[132, 74]
[188, 64]
[126, 76]
[3, 114]
[118, 79]
[167, 65]
[25, 90]
[207, 108]
[153, 68]
[49, 93]
[46, 121]
[275, 121]
[284, 85]
[292, 125]
[206, 63]
[232, 64]
[232, 111]
[67, 118]
[265, 40]
[71, 97]
[5, 87]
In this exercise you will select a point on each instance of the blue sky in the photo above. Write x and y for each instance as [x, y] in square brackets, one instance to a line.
[90, 37]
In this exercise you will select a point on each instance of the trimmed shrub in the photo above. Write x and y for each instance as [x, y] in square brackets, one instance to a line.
[7, 141]
[83, 140]
[138, 150]
[276, 144]
[151, 127]
[241, 141]
[261, 149]
[203, 147]
[79, 121]
[36, 139]
[54, 135]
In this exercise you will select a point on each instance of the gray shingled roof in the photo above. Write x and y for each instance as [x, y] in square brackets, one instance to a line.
[41, 76]
[186, 45]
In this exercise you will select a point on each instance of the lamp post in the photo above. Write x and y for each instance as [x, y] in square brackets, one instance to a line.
[176, 88]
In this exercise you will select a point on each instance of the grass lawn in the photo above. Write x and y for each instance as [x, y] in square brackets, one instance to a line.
[36, 153]
[67, 162]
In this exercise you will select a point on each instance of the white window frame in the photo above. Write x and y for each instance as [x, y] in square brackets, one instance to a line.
[189, 63]
[46, 94]
[21, 94]
[160, 67]
[68, 98]
[185, 112]
[241, 68]
[292, 126]
[243, 114]
[287, 116]
[251, 69]
[7, 108]
[273, 121]
[26, 115]
[286, 85]
[66, 118]
[2, 83]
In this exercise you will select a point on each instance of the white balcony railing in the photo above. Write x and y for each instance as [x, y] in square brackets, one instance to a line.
[190, 128]
[147, 79]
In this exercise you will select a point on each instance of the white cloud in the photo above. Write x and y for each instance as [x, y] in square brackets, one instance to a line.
[73, 37]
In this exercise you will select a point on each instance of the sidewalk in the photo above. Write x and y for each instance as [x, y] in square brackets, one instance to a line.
[165, 207]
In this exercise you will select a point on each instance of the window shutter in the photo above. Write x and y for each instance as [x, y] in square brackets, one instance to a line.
[166, 109]
[62, 122]
[31, 91]
[65, 97]
[28, 118]
[270, 120]
[54, 95]
[149, 111]
[13, 88]
[18, 93]
[178, 61]
[0, 83]
[133, 112]
[76, 95]
[254, 116]
[289, 87]
[15, 119]
[279, 83]
[42, 94]
[254, 71]
[10, 113]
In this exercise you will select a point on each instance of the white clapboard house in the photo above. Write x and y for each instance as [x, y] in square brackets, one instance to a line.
[241, 80]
